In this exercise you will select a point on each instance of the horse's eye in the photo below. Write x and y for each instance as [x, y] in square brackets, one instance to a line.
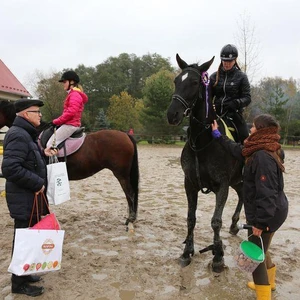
[195, 83]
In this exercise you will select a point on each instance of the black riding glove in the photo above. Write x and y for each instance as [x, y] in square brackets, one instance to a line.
[232, 105]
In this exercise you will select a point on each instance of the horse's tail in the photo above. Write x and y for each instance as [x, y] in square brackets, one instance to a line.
[135, 174]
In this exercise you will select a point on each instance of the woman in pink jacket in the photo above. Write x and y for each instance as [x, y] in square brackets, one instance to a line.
[70, 120]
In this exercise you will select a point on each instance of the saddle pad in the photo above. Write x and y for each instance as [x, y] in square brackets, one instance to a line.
[227, 131]
[71, 145]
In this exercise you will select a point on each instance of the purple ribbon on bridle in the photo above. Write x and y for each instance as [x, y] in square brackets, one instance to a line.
[205, 81]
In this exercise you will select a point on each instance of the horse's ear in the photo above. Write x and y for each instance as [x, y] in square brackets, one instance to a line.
[181, 63]
[204, 67]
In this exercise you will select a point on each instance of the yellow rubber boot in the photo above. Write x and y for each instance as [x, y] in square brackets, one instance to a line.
[251, 285]
[263, 292]
[271, 277]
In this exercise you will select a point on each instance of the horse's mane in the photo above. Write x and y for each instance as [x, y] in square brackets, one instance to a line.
[8, 110]
[4, 104]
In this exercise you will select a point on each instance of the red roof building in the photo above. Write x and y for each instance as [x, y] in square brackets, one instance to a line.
[10, 87]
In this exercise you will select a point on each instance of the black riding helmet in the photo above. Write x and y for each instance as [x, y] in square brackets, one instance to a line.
[69, 75]
[229, 52]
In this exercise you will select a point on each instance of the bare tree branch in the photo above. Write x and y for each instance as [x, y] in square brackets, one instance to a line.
[248, 47]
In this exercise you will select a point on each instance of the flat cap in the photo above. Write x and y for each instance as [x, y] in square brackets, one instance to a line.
[22, 104]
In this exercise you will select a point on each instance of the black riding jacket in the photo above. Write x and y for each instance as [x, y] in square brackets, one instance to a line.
[265, 202]
[24, 168]
[232, 85]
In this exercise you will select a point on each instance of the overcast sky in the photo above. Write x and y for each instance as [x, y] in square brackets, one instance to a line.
[49, 35]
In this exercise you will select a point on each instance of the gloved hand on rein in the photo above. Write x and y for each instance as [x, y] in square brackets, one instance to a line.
[231, 105]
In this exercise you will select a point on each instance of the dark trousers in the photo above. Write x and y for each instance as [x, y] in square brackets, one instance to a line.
[260, 275]
[241, 126]
[18, 280]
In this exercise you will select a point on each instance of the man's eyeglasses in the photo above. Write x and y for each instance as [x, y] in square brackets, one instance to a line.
[35, 111]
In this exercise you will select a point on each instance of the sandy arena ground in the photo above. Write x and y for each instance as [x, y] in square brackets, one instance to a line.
[102, 261]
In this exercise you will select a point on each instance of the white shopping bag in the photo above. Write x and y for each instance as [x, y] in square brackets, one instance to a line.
[36, 251]
[58, 190]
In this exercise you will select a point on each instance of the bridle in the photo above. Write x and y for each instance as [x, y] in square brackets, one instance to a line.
[188, 108]
[205, 82]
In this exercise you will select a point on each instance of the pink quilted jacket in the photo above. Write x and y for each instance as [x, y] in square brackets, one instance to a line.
[73, 107]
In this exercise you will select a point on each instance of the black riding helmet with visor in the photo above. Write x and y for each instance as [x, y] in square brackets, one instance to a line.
[229, 52]
[70, 76]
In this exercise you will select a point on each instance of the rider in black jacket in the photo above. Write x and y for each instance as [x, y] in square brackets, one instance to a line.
[231, 90]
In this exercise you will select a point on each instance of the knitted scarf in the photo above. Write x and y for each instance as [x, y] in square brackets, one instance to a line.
[263, 139]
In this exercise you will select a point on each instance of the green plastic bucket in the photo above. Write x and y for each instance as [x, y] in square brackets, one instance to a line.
[249, 256]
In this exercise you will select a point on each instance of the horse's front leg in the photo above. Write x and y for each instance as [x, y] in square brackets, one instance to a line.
[236, 216]
[216, 224]
[192, 197]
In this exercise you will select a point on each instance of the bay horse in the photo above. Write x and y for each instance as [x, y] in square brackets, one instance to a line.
[111, 149]
[207, 166]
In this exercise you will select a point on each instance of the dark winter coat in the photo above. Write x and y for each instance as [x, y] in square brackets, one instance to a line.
[24, 168]
[265, 202]
[232, 85]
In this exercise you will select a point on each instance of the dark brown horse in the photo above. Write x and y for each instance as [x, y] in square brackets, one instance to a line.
[206, 164]
[110, 149]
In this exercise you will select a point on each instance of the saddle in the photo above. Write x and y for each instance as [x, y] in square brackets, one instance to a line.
[68, 146]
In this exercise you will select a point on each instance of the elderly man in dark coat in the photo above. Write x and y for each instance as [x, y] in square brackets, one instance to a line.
[25, 171]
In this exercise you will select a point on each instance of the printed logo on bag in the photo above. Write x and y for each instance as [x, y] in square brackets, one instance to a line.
[58, 182]
[48, 246]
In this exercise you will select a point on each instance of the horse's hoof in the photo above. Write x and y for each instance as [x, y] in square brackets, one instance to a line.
[218, 267]
[183, 262]
[234, 230]
[130, 228]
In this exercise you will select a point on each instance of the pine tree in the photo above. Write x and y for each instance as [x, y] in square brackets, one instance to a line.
[101, 120]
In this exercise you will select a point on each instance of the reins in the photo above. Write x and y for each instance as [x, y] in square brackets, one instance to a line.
[188, 113]
[192, 143]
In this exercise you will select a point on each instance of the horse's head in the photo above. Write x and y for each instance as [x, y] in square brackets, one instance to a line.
[191, 86]
[7, 113]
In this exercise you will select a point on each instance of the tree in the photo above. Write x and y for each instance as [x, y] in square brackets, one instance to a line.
[87, 80]
[123, 112]
[292, 106]
[281, 98]
[248, 47]
[157, 96]
[272, 97]
[278, 97]
[101, 120]
[127, 72]
[51, 92]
